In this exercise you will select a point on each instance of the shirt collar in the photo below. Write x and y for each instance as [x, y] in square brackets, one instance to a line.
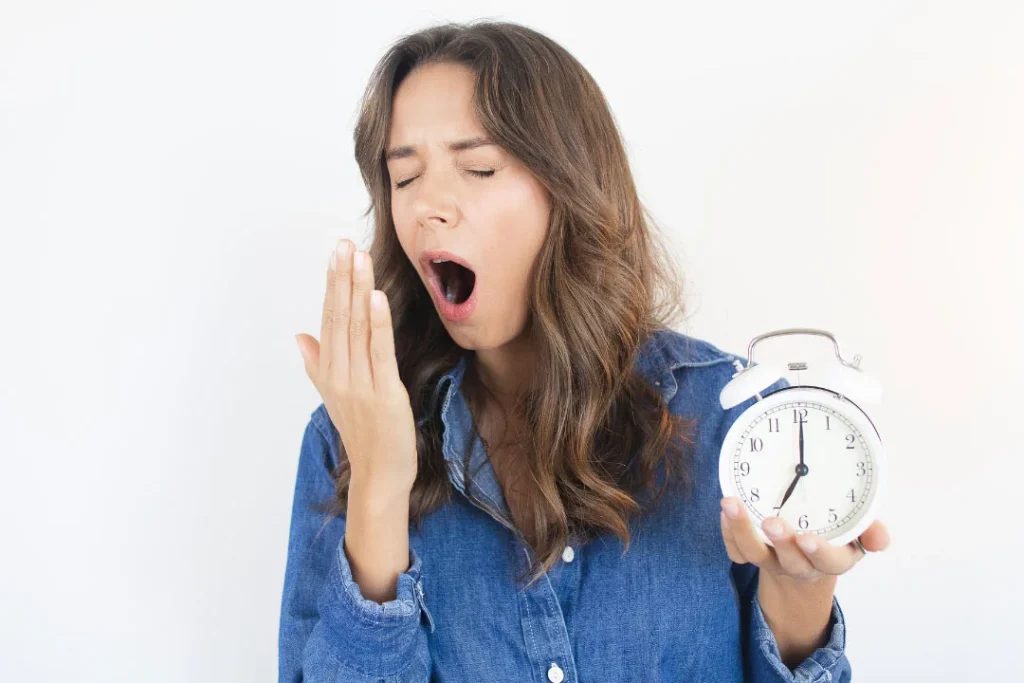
[661, 354]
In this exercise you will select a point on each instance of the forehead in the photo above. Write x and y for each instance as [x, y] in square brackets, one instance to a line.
[434, 103]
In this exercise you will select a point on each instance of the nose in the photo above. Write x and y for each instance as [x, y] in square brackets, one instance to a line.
[435, 201]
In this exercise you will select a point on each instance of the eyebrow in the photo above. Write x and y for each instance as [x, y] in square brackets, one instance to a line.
[456, 146]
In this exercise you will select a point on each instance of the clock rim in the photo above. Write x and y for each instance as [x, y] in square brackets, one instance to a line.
[827, 397]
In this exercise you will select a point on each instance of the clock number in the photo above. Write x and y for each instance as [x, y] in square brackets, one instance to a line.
[828, 425]
[745, 468]
[755, 495]
[832, 516]
[773, 424]
[853, 498]
[861, 471]
[756, 444]
[803, 522]
[850, 438]
[802, 412]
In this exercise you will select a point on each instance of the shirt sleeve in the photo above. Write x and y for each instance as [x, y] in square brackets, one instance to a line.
[328, 630]
[762, 662]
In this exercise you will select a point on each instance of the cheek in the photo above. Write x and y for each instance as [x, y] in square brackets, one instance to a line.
[510, 263]
[514, 245]
[407, 239]
[527, 216]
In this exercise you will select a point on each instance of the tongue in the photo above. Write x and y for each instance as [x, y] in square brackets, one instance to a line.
[457, 286]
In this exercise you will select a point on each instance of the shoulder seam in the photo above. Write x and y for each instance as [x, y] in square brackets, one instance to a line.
[705, 363]
[686, 350]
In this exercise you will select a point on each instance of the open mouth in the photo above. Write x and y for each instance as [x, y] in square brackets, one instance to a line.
[455, 280]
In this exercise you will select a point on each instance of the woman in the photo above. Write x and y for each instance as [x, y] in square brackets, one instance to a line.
[517, 457]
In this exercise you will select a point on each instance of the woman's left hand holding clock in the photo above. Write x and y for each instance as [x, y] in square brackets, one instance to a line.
[804, 558]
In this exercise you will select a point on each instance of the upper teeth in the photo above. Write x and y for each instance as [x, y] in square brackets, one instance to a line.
[440, 260]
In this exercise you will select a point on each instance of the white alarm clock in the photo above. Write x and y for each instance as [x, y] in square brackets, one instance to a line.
[807, 454]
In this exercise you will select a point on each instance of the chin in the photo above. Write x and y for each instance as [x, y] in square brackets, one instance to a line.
[469, 338]
[482, 337]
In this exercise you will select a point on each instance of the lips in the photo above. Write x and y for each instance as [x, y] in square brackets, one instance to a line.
[438, 275]
[427, 259]
[432, 269]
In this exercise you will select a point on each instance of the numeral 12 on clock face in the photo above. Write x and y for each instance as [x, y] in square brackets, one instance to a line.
[805, 462]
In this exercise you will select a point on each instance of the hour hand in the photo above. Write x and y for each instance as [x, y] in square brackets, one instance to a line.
[789, 492]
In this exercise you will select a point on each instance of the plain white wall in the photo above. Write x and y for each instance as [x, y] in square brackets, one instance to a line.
[172, 174]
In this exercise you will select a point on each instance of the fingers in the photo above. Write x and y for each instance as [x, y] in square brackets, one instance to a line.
[382, 343]
[360, 372]
[827, 558]
[805, 556]
[799, 552]
[790, 556]
[744, 537]
[309, 348]
[327, 320]
[341, 287]
[332, 320]
[730, 545]
[876, 537]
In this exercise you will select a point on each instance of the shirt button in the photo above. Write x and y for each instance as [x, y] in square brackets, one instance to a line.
[568, 554]
[555, 674]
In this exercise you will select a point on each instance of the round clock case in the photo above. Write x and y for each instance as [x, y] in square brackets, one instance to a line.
[843, 453]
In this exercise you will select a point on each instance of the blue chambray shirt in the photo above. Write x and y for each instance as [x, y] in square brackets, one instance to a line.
[673, 608]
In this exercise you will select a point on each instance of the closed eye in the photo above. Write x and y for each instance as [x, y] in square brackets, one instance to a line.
[480, 174]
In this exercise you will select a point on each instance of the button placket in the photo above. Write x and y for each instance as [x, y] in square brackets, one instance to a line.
[423, 604]
[544, 629]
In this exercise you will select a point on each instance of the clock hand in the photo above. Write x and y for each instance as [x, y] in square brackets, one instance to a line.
[801, 470]
[801, 442]
[789, 493]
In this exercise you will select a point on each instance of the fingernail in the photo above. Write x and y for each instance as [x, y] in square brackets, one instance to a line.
[731, 508]
[807, 542]
[360, 259]
[340, 251]
[773, 527]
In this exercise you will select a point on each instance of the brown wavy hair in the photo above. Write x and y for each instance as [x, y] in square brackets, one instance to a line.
[596, 432]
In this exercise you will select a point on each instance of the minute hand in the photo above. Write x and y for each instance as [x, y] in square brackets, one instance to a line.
[801, 470]
[801, 442]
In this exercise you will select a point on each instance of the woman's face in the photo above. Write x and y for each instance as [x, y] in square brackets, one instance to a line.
[496, 222]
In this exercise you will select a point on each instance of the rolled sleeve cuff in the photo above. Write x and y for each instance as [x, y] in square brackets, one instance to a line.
[827, 664]
[379, 637]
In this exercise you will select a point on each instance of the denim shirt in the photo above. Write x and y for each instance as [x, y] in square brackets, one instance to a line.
[674, 607]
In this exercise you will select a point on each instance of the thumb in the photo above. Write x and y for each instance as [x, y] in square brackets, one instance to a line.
[309, 348]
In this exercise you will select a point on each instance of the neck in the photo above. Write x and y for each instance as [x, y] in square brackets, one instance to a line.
[503, 371]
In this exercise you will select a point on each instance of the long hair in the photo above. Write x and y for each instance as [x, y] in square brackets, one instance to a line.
[596, 432]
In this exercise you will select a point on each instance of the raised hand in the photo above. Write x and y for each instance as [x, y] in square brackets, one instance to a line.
[356, 373]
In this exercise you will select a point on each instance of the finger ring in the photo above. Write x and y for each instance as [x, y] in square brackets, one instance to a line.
[860, 545]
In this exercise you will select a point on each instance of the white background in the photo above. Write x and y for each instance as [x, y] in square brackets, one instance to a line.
[172, 174]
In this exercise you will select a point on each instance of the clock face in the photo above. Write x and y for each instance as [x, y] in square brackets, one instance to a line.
[829, 491]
